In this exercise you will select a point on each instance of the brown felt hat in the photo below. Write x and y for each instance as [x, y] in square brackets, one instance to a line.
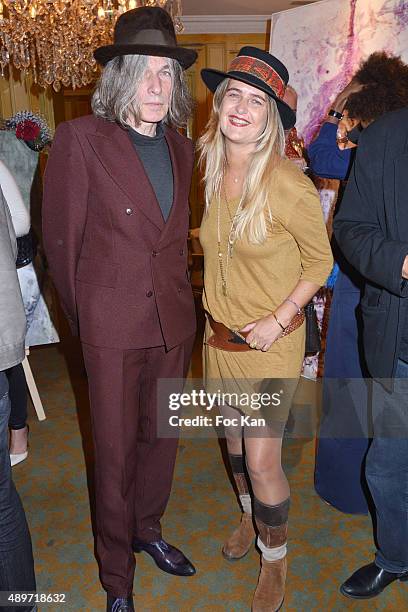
[148, 30]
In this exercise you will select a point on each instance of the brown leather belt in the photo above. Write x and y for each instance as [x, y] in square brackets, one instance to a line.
[227, 339]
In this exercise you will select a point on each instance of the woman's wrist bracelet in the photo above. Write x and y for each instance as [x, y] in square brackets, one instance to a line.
[278, 322]
[299, 310]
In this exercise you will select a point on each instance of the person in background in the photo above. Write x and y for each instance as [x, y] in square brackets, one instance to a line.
[371, 229]
[295, 151]
[325, 158]
[16, 557]
[294, 146]
[22, 137]
[15, 375]
[266, 253]
[115, 226]
[380, 85]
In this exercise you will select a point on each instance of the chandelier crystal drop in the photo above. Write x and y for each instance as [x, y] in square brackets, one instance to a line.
[54, 40]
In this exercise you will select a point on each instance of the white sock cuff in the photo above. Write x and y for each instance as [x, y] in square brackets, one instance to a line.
[246, 504]
[272, 554]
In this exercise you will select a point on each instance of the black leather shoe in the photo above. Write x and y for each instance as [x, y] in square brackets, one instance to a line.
[369, 581]
[119, 604]
[167, 557]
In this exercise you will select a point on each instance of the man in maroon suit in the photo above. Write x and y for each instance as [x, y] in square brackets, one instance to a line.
[115, 228]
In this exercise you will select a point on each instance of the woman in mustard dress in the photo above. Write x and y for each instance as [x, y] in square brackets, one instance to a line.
[266, 253]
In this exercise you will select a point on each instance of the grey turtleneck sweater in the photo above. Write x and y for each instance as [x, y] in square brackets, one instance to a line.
[155, 157]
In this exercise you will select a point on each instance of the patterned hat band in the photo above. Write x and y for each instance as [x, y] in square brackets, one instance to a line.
[261, 70]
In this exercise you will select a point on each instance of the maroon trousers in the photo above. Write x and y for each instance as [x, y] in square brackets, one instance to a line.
[133, 467]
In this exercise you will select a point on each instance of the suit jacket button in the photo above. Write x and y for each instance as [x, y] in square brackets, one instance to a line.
[129, 211]
[181, 251]
[154, 253]
[149, 294]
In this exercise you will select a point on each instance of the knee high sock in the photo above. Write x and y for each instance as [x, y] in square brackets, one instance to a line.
[238, 470]
[272, 524]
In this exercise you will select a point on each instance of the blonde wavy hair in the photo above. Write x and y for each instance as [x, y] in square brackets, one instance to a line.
[251, 221]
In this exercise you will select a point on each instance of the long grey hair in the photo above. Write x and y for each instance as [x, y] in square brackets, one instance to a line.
[115, 96]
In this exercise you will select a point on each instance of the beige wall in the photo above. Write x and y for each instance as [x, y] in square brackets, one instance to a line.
[18, 92]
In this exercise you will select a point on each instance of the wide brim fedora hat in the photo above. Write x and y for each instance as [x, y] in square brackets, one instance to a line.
[261, 70]
[147, 30]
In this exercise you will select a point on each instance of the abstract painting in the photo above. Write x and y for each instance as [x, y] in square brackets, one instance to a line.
[322, 45]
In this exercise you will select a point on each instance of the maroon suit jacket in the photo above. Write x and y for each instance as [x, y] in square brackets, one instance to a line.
[119, 269]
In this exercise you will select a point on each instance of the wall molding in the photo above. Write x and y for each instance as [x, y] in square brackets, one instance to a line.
[225, 24]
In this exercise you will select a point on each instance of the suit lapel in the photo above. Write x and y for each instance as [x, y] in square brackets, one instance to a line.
[117, 154]
[177, 156]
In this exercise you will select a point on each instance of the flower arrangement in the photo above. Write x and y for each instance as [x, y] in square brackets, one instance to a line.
[30, 128]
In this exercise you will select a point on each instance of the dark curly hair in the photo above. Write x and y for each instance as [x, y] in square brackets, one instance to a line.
[386, 87]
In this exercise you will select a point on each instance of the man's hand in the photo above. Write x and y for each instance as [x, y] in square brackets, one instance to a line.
[352, 87]
[345, 126]
[340, 102]
[405, 268]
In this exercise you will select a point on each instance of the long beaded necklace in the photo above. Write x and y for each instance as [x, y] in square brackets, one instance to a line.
[232, 236]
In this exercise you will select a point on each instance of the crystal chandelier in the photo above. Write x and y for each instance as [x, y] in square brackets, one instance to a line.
[55, 39]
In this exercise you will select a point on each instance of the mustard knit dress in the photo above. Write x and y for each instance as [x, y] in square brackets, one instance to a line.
[259, 278]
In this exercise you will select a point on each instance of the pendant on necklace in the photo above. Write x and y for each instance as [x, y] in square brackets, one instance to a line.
[235, 180]
[224, 289]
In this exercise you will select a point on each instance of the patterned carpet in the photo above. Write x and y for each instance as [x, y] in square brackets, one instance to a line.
[324, 546]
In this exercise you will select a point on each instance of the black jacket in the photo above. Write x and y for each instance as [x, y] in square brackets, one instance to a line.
[371, 228]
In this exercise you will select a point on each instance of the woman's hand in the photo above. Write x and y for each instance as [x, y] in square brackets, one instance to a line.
[262, 333]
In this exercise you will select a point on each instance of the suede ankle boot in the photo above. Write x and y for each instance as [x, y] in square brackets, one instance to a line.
[241, 540]
[272, 524]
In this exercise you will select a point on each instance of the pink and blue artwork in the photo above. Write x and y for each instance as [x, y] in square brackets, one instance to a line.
[322, 45]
